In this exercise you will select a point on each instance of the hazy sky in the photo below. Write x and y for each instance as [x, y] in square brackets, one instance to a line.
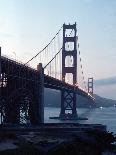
[27, 26]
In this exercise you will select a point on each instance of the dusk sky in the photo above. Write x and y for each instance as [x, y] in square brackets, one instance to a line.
[26, 26]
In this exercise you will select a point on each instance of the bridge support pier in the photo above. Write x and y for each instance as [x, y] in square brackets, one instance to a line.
[0, 74]
[40, 109]
[68, 105]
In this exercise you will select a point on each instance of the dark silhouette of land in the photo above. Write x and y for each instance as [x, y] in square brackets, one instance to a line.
[52, 99]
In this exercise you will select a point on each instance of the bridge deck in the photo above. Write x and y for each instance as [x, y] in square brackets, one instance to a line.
[49, 82]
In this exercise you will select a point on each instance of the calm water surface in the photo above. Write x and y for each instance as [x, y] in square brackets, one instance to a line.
[106, 116]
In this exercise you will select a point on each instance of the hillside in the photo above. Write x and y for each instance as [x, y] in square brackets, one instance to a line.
[52, 99]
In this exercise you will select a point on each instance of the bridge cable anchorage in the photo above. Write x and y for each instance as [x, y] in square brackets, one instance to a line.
[82, 72]
[53, 57]
[44, 47]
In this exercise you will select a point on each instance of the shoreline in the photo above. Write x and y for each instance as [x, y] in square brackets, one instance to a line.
[56, 140]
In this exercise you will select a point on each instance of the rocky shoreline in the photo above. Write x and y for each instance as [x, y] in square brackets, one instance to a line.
[88, 142]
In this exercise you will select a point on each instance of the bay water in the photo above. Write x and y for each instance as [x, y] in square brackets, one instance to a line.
[105, 116]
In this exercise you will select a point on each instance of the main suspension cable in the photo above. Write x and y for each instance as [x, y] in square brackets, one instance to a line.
[44, 47]
[53, 58]
[80, 59]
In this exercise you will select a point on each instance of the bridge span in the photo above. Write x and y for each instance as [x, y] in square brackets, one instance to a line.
[22, 87]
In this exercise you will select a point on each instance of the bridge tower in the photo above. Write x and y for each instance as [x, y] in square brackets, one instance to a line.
[90, 86]
[68, 98]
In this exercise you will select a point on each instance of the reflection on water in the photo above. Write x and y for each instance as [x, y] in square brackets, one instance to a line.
[105, 116]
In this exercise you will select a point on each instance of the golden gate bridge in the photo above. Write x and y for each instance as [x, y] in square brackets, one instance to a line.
[56, 66]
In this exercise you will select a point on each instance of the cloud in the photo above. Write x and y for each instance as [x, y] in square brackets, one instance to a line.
[105, 81]
[106, 87]
[6, 35]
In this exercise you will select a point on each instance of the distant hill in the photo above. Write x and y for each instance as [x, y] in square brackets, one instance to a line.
[104, 102]
[52, 99]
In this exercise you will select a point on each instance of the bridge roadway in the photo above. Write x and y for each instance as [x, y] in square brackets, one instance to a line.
[53, 83]
[49, 82]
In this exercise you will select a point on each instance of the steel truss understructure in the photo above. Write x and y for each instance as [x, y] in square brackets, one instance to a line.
[20, 88]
